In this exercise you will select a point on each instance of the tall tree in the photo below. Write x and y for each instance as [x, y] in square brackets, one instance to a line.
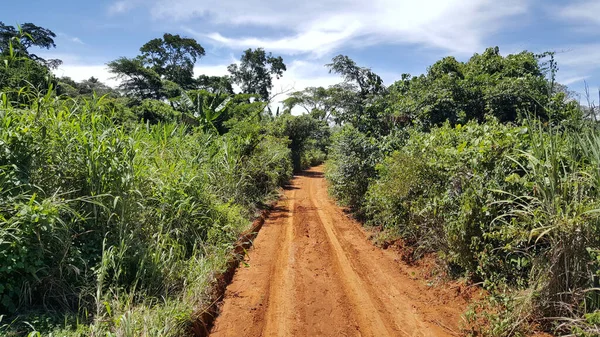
[363, 91]
[164, 68]
[367, 81]
[22, 38]
[136, 79]
[324, 104]
[173, 58]
[254, 74]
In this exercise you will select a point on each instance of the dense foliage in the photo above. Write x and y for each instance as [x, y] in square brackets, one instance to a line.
[488, 165]
[118, 207]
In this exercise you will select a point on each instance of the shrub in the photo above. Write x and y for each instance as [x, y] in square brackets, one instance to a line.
[105, 219]
[353, 156]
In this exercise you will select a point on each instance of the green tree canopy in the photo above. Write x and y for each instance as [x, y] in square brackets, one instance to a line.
[25, 36]
[488, 84]
[215, 84]
[173, 58]
[329, 104]
[360, 98]
[164, 68]
[137, 80]
[255, 71]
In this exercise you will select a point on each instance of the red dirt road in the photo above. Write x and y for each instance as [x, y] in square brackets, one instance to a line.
[313, 272]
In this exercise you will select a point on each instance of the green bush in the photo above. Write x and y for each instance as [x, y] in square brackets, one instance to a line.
[312, 157]
[504, 205]
[353, 156]
[103, 215]
[154, 112]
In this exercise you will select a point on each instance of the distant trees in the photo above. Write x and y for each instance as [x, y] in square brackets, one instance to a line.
[359, 100]
[215, 84]
[255, 71]
[488, 84]
[67, 86]
[165, 69]
[329, 104]
[137, 79]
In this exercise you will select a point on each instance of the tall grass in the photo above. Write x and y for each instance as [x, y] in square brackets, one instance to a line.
[119, 229]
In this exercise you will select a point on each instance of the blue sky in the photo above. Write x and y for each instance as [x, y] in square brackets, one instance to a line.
[390, 36]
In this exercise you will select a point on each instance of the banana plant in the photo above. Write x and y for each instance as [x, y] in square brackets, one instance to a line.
[205, 109]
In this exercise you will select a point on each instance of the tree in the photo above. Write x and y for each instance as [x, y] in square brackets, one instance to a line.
[136, 79]
[309, 99]
[299, 129]
[254, 74]
[93, 85]
[324, 104]
[363, 91]
[367, 81]
[457, 92]
[17, 73]
[164, 68]
[173, 58]
[22, 38]
[215, 84]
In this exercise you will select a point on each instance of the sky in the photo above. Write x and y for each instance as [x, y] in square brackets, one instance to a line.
[391, 37]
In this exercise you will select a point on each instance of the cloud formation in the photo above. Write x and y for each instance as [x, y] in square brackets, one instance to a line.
[321, 26]
[586, 10]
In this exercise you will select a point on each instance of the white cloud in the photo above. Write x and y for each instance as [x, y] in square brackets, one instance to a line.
[122, 6]
[313, 41]
[77, 40]
[577, 62]
[586, 10]
[79, 72]
[214, 70]
[583, 55]
[70, 38]
[318, 27]
[303, 74]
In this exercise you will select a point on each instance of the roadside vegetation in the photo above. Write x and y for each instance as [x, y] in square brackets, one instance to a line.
[120, 206]
[491, 165]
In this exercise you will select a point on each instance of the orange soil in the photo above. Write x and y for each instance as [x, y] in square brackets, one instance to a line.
[313, 272]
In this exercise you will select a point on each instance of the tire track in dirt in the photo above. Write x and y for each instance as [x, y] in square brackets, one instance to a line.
[370, 321]
[280, 310]
[312, 272]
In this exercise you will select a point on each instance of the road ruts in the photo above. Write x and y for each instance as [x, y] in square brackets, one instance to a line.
[312, 272]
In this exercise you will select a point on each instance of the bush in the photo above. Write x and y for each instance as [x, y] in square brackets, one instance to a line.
[506, 205]
[153, 112]
[353, 156]
[106, 216]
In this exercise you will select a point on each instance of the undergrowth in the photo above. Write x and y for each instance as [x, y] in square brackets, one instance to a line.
[513, 207]
[119, 228]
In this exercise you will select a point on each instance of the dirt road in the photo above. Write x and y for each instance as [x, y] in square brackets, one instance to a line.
[313, 272]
